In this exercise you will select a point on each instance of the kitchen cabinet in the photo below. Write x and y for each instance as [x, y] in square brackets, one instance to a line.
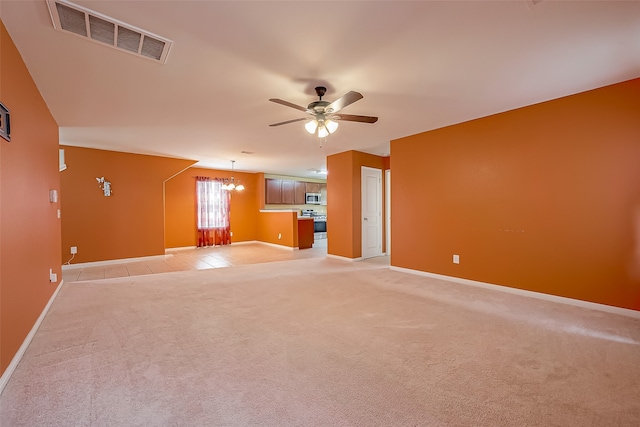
[313, 187]
[291, 192]
[288, 192]
[273, 191]
[300, 189]
[305, 233]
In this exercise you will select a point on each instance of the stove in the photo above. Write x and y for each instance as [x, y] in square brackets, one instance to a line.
[319, 222]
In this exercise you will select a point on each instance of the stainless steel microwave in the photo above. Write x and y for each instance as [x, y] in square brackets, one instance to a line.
[313, 198]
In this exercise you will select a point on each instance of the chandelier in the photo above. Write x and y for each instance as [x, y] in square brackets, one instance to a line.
[230, 184]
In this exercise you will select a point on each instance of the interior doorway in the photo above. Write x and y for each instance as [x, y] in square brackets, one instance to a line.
[371, 212]
[387, 209]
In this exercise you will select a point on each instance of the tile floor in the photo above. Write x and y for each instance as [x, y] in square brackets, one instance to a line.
[194, 259]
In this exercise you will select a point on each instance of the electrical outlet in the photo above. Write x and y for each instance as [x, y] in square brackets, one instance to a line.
[456, 259]
[53, 277]
[231, 233]
[74, 250]
[279, 236]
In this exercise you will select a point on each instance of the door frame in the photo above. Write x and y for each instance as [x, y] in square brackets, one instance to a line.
[378, 202]
[387, 211]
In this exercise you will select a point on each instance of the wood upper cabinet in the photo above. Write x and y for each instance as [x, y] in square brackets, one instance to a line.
[313, 187]
[299, 196]
[288, 192]
[273, 191]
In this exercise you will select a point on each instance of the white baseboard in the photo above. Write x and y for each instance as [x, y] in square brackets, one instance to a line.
[183, 248]
[523, 292]
[245, 242]
[344, 258]
[4, 379]
[169, 251]
[191, 248]
[275, 245]
[112, 262]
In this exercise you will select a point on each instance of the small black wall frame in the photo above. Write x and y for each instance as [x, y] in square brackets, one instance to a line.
[5, 122]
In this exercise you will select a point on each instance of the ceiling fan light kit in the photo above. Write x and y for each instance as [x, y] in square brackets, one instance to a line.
[325, 120]
[311, 126]
[323, 132]
[324, 127]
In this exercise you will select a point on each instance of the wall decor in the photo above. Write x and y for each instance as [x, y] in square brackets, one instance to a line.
[105, 186]
[5, 123]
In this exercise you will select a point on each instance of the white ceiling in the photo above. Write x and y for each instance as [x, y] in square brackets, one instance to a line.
[420, 65]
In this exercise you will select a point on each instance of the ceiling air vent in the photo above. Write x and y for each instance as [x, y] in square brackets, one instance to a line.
[96, 27]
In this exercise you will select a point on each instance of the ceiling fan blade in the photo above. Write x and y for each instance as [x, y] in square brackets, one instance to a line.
[343, 101]
[289, 121]
[355, 118]
[288, 104]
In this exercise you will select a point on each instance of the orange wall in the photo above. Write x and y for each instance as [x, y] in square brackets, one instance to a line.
[341, 209]
[180, 207]
[344, 182]
[544, 198]
[270, 224]
[128, 224]
[261, 190]
[29, 225]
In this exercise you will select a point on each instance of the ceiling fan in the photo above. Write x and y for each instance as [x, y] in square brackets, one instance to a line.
[324, 118]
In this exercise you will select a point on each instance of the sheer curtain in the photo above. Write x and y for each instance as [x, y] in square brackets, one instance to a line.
[213, 212]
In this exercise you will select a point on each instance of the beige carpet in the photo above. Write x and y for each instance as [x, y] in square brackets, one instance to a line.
[320, 342]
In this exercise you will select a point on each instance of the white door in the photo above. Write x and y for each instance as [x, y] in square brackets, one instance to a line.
[371, 212]
[387, 205]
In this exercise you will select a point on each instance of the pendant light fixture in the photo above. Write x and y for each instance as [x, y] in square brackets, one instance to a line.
[230, 184]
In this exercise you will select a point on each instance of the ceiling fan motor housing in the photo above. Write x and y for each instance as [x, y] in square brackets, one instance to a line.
[318, 106]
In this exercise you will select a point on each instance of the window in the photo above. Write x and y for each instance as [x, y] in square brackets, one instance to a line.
[213, 206]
